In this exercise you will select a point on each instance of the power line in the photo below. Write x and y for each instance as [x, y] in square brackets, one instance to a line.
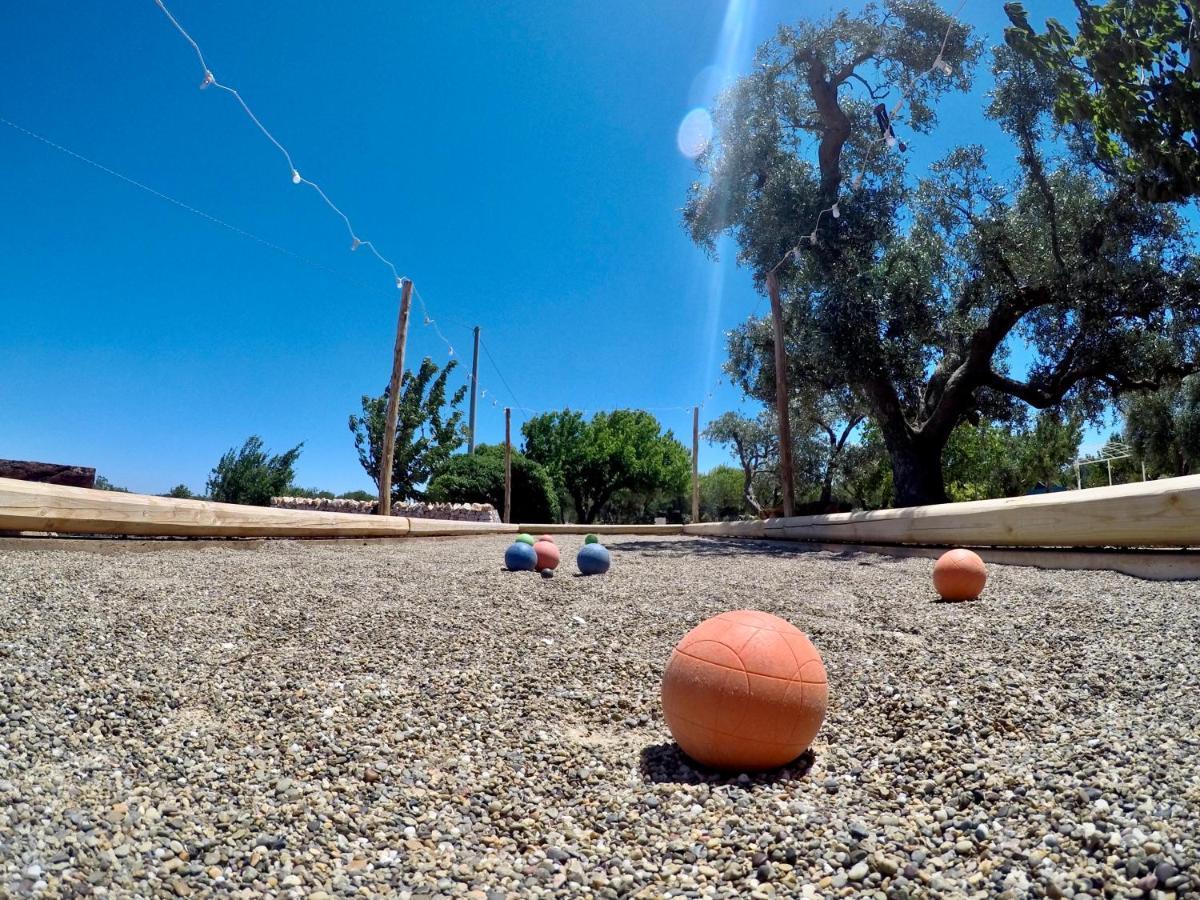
[492, 360]
[241, 232]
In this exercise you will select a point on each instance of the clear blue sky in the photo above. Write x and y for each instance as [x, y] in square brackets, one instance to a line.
[518, 160]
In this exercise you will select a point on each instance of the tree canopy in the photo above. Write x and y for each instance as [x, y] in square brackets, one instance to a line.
[755, 445]
[722, 494]
[1163, 428]
[1127, 81]
[428, 429]
[252, 475]
[912, 298]
[479, 478]
[590, 461]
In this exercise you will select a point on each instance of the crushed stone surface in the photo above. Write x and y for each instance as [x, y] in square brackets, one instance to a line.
[407, 719]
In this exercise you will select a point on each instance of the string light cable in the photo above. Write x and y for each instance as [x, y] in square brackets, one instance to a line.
[210, 80]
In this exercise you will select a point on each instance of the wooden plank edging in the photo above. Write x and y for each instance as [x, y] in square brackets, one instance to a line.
[1163, 513]
[29, 506]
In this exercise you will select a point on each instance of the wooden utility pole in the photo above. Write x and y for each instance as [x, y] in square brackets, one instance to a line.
[781, 399]
[695, 464]
[474, 391]
[389, 425]
[507, 464]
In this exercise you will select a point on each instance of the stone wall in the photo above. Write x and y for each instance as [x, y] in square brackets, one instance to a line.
[458, 512]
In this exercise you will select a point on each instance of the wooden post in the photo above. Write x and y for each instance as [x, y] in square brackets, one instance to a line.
[781, 399]
[695, 464]
[389, 424]
[507, 464]
[474, 391]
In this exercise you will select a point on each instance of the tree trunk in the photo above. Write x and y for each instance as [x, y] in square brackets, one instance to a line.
[917, 473]
[748, 492]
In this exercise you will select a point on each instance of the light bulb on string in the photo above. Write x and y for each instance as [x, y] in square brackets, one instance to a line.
[837, 213]
[355, 244]
[208, 79]
[295, 177]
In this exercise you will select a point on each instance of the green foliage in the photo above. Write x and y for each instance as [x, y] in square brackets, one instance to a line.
[1123, 470]
[722, 494]
[990, 460]
[865, 472]
[428, 429]
[755, 445]
[909, 301]
[365, 496]
[295, 490]
[103, 484]
[479, 478]
[251, 476]
[1128, 83]
[180, 492]
[590, 462]
[1163, 428]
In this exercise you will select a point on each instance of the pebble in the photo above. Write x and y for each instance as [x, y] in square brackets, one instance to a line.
[369, 720]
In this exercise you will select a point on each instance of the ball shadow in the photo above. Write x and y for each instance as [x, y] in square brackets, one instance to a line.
[668, 764]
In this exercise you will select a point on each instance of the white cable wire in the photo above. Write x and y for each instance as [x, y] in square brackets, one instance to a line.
[293, 171]
[179, 203]
[297, 178]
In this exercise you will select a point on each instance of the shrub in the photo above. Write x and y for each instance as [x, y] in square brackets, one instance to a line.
[479, 478]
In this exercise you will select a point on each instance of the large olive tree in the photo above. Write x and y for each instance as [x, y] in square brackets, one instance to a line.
[914, 296]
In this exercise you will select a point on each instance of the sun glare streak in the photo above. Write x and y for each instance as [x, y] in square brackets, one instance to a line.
[732, 54]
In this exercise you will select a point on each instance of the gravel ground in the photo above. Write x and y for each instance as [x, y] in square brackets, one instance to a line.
[315, 720]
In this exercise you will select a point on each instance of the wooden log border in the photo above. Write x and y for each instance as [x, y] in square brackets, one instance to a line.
[1164, 513]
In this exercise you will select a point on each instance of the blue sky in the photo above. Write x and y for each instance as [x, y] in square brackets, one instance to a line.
[518, 160]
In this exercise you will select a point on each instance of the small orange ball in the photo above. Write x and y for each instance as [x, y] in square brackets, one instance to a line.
[547, 555]
[959, 575]
[744, 691]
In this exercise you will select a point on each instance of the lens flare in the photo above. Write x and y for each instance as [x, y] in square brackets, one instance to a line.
[695, 133]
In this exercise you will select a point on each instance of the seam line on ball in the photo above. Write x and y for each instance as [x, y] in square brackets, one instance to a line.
[709, 662]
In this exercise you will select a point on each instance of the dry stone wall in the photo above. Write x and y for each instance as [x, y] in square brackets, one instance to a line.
[457, 512]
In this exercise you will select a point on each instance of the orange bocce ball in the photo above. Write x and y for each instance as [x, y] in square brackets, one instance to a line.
[959, 575]
[547, 555]
[744, 691]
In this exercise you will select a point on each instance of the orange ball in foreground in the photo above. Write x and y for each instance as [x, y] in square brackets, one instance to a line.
[547, 555]
[744, 691]
[959, 575]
